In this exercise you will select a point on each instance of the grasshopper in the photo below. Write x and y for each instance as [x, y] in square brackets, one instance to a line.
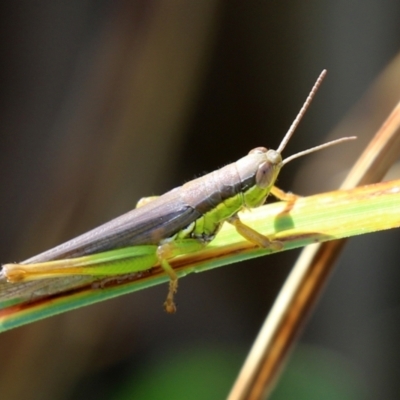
[181, 221]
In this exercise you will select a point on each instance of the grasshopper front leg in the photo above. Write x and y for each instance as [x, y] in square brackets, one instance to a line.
[284, 196]
[256, 237]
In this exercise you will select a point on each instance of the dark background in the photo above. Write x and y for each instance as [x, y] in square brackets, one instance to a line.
[103, 102]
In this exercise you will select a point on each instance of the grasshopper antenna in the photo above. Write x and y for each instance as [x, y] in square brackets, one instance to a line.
[297, 120]
[301, 113]
[317, 148]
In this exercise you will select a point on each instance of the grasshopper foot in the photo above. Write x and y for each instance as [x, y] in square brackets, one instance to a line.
[276, 245]
[169, 304]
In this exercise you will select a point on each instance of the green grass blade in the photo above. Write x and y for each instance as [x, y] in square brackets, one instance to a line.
[308, 220]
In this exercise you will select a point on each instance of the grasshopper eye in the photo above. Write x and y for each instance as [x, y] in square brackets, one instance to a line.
[258, 150]
[265, 174]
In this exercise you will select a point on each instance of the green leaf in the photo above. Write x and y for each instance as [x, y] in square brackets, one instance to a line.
[308, 220]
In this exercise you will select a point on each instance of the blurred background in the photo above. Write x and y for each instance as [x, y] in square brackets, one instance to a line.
[104, 102]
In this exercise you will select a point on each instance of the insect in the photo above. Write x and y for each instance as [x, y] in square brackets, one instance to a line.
[181, 221]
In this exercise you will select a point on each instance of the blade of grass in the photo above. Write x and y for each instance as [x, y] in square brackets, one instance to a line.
[309, 220]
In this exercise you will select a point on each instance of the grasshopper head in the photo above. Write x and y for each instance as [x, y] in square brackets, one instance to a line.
[258, 172]
[269, 165]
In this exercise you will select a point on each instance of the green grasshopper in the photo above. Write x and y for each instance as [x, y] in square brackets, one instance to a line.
[181, 221]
